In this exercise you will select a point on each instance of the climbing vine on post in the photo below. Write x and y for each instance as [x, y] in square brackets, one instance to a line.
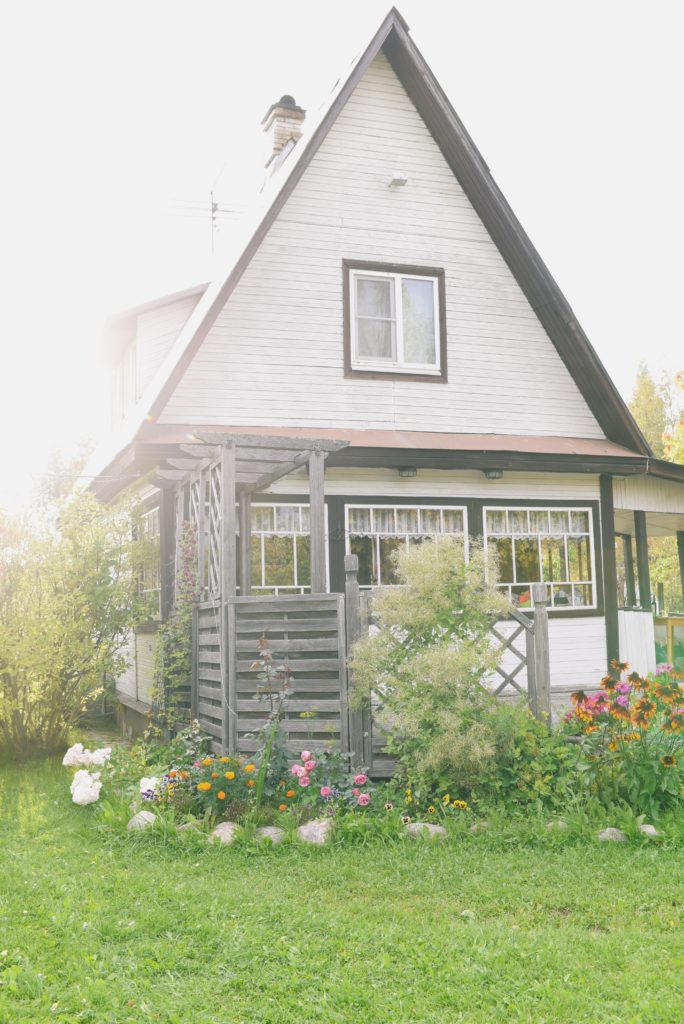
[173, 653]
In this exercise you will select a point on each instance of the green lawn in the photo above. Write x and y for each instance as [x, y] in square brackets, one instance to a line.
[100, 930]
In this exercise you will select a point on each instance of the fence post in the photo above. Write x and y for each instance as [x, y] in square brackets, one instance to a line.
[542, 668]
[194, 701]
[359, 719]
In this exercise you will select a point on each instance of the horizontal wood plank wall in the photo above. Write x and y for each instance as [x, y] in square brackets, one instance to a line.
[208, 669]
[156, 332]
[636, 631]
[577, 650]
[145, 657]
[648, 494]
[305, 630]
[282, 326]
[126, 682]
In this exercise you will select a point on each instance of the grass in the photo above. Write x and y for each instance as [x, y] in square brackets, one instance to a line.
[103, 930]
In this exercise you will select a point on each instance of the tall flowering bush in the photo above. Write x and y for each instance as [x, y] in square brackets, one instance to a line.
[632, 739]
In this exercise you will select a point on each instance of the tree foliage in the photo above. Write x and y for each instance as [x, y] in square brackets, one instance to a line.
[68, 598]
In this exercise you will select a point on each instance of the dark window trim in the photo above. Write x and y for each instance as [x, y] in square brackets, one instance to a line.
[394, 268]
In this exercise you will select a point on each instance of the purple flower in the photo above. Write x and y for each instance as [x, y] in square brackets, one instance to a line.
[623, 687]
[622, 700]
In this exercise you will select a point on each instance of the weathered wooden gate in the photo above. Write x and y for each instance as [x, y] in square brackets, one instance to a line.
[313, 634]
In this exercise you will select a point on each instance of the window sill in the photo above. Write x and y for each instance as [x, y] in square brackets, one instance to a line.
[395, 373]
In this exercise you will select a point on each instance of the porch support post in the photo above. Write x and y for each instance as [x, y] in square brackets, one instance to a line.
[610, 601]
[317, 520]
[680, 551]
[245, 544]
[642, 560]
[228, 590]
[202, 536]
[629, 569]
[167, 549]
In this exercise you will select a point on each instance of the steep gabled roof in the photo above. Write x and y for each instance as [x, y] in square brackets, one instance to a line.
[460, 152]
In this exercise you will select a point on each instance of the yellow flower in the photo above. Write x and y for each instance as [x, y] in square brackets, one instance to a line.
[408, 792]
[230, 775]
[249, 767]
[204, 787]
[431, 809]
[446, 798]
[207, 761]
[612, 745]
[224, 760]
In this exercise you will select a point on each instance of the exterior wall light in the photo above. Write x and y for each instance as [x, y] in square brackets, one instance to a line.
[407, 471]
[398, 180]
[493, 474]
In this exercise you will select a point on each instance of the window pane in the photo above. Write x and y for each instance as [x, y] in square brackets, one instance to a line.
[418, 312]
[502, 547]
[561, 596]
[388, 547]
[303, 562]
[527, 568]
[383, 520]
[287, 519]
[517, 521]
[453, 520]
[375, 296]
[496, 521]
[430, 520]
[521, 596]
[255, 561]
[359, 520]
[262, 518]
[553, 559]
[279, 562]
[374, 339]
[362, 547]
[579, 522]
[304, 511]
[579, 558]
[559, 522]
[407, 520]
[539, 522]
[583, 595]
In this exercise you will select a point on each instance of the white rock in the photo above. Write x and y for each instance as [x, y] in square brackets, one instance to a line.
[315, 831]
[612, 835]
[425, 828]
[478, 826]
[649, 830]
[143, 819]
[560, 824]
[225, 832]
[187, 826]
[272, 832]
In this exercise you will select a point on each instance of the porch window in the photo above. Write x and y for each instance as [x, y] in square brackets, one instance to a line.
[376, 532]
[281, 560]
[150, 576]
[544, 545]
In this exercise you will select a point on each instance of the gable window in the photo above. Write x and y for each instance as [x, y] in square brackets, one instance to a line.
[544, 545]
[394, 321]
[376, 532]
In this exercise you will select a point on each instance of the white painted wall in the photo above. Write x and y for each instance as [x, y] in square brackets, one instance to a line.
[125, 683]
[648, 494]
[636, 634]
[275, 354]
[156, 332]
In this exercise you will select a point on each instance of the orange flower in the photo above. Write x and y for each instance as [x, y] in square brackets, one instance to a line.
[578, 697]
[282, 807]
[207, 761]
[250, 782]
[230, 776]
[204, 787]
[173, 773]
[214, 775]
[183, 775]
[250, 767]
[221, 795]
[224, 760]
[290, 792]
[619, 666]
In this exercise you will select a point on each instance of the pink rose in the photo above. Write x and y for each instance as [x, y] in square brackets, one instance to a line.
[355, 792]
[304, 780]
[326, 791]
[310, 765]
[306, 755]
[360, 779]
[364, 800]
[298, 770]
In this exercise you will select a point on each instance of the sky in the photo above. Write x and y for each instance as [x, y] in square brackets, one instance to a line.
[121, 118]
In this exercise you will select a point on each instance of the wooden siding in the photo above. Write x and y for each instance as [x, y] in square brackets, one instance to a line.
[126, 682]
[156, 332]
[577, 650]
[447, 484]
[637, 640]
[648, 494]
[275, 354]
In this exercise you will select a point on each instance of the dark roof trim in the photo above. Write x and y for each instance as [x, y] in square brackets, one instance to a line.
[665, 470]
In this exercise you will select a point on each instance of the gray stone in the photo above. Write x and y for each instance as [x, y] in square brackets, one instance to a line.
[187, 826]
[479, 825]
[272, 832]
[316, 831]
[224, 832]
[143, 819]
[649, 830]
[560, 824]
[612, 835]
[425, 828]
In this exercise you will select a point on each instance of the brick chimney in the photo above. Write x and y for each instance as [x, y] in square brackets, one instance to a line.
[283, 125]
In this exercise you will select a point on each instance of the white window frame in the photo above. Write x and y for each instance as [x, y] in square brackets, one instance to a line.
[150, 526]
[260, 586]
[593, 583]
[402, 507]
[398, 365]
